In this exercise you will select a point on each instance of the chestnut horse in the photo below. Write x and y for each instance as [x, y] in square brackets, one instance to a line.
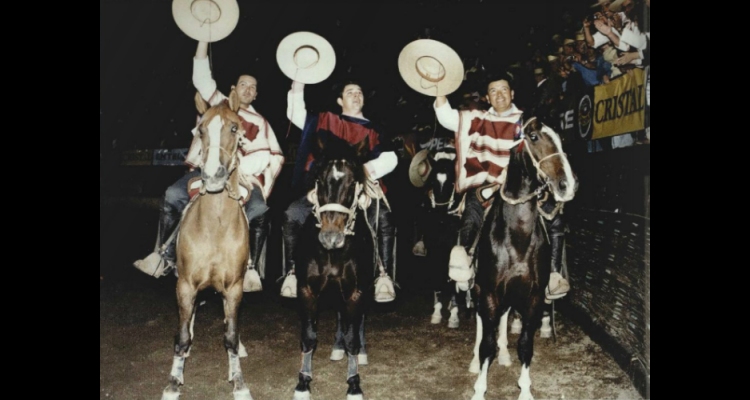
[335, 259]
[213, 244]
[514, 256]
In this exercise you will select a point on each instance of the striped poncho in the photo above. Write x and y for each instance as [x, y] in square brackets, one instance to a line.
[483, 142]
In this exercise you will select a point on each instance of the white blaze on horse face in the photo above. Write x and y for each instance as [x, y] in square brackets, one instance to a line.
[442, 177]
[214, 146]
[337, 175]
[569, 178]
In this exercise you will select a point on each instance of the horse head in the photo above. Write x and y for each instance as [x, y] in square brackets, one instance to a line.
[220, 131]
[552, 167]
[441, 185]
[339, 181]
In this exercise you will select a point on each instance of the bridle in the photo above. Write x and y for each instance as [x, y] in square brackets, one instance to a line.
[234, 156]
[350, 211]
[541, 175]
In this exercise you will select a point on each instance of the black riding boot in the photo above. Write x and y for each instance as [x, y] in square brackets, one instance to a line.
[258, 235]
[556, 231]
[384, 290]
[290, 231]
[167, 223]
[459, 263]
[558, 285]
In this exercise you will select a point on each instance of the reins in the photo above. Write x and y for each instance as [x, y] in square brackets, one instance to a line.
[350, 211]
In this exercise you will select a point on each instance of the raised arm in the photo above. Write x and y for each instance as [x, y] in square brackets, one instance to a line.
[202, 79]
[447, 116]
[295, 104]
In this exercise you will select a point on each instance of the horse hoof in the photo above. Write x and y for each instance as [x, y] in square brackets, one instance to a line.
[453, 322]
[504, 360]
[545, 333]
[337, 355]
[243, 394]
[354, 397]
[436, 319]
[362, 359]
[474, 367]
[515, 327]
[170, 395]
[301, 395]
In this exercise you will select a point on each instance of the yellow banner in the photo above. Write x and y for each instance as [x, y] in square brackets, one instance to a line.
[619, 106]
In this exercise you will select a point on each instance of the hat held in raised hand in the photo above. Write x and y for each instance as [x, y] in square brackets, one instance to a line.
[206, 20]
[306, 57]
[431, 67]
[420, 168]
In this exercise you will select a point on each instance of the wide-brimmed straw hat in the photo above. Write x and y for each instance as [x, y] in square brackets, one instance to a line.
[600, 3]
[616, 6]
[306, 57]
[206, 20]
[420, 168]
[431, 67]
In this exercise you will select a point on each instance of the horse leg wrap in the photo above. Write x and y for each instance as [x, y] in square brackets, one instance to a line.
[178, 366]
[234, 365]
[353, 367]
[306, 368]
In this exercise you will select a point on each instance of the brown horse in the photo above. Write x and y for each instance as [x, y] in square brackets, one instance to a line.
[514, 259]
[213, 241]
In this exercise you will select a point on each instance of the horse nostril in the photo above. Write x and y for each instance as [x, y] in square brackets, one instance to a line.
[563, 185]
[222, 172]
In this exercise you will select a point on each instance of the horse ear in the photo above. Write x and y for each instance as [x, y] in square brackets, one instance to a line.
[234, 100]
[321, 145]
[532, 125]
[200, 104]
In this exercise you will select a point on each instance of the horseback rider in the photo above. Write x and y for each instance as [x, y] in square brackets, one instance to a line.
[261, 160]
[481, 170]
[351, 126]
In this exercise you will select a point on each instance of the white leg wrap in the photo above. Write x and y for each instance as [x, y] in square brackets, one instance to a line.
[480, 387]
[503, 356]
[546, 331]
[437, 317]
[178, 365]
[524, 382]
[474, 366]
[234, 365]
[337, 354]
[242, 394]
[453, 320]
[515, 327]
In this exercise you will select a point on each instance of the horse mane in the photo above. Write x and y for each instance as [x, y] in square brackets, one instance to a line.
[334, 148]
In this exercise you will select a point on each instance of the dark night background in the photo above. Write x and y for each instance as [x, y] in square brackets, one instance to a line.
[146, 102]
[145, 64]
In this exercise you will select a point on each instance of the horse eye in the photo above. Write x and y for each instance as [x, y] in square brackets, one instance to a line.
[533, 137]
[234, 128]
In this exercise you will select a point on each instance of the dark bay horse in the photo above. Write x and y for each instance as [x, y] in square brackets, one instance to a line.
[334, 261]
[436, 229]
[213, 242]
[514, 256]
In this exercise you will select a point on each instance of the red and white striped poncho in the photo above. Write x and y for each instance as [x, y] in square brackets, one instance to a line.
[483, 142]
